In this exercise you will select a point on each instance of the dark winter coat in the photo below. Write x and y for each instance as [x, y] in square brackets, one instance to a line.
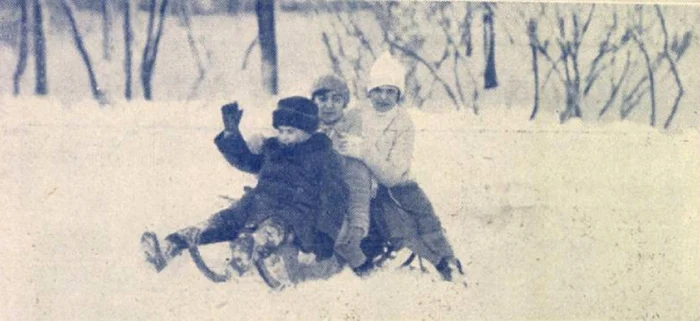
[301, 184]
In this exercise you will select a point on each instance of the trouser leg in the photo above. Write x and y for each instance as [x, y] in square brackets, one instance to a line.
[430, 242]
[221, 227]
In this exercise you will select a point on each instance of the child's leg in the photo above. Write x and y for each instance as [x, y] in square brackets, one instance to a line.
[431, 242]
[356, 226]
[223, 226]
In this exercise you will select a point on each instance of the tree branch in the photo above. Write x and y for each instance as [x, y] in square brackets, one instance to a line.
[650, 75]
[616, 86]
[674, 69]
[69, 10]
[433, 71]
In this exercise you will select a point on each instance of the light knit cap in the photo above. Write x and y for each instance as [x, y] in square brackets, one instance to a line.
[386, 71]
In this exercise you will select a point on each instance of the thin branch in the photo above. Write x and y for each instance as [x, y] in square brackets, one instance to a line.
[554, 64]
[335, 62]
[248, 51]
[616, 86]
[650, 74]
[533, 36]
[23, 48]
[69, 10]
[584, 30]
[420, 59]
[603, 49]
[185, 14]
[674, 69]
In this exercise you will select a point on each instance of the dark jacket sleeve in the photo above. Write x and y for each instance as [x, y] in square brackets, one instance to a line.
[334, 196]
[237, 153]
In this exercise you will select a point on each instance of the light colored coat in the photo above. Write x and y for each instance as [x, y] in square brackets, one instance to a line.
[388, 145]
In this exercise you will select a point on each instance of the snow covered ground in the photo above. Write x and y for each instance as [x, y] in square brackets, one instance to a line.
[553, 222]
[574, 221]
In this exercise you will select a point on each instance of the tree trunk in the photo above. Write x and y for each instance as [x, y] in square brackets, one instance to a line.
[265, 12]
[534, 42]
[42, 87]
[106, 30]
[490, 79]
[467, 32]
[234, 6]
[150, 52]
[573, 103]
[128, 39]
[69, 10]
[23, 48]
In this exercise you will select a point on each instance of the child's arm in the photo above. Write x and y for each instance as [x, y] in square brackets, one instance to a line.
[359, 181]
[231, 144]
[237, 153]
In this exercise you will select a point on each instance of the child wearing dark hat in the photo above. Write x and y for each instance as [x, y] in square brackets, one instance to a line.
[300, 197]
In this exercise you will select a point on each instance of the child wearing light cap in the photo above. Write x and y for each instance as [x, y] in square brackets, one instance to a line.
[340, 124]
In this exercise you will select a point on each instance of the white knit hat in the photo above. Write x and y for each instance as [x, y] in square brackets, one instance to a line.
[386, 71]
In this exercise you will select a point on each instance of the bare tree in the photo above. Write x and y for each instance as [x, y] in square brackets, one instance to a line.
[666, 53]
[128, 40]
[650, 76]
[106, 29]
[248, 51]
[69, 10]
[405, 28]
[467, 30]
[615, 84]
[490, 77]
[150, 51]
[532, 35]
[41, 86]
[571, 31]
[265, 13]
[23, 48]
[201, 58]
[647, 84]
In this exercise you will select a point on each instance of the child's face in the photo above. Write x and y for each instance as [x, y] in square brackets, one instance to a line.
[330, 106]
[384, 98]
[291, 135]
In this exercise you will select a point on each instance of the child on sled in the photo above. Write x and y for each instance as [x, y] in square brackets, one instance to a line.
[300, 198]
[401, 212]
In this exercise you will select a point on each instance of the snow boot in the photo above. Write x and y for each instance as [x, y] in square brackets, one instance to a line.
[447, 268]
[152, 251]
[365, 269]
[242, 250]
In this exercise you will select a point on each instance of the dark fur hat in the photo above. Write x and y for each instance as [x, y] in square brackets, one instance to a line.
[297, 112]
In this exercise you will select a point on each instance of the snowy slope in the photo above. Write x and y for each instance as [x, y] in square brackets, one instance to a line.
[552, 222]
[574, 221]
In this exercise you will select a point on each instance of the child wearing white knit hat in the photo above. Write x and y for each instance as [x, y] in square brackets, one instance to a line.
[401, 212]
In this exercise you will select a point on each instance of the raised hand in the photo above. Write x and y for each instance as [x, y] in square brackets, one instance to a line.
[231, 115]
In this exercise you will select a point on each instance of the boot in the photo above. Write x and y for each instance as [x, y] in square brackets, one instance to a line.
[365, 269]
[242, 249]
[152, 251]
[450, 270]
